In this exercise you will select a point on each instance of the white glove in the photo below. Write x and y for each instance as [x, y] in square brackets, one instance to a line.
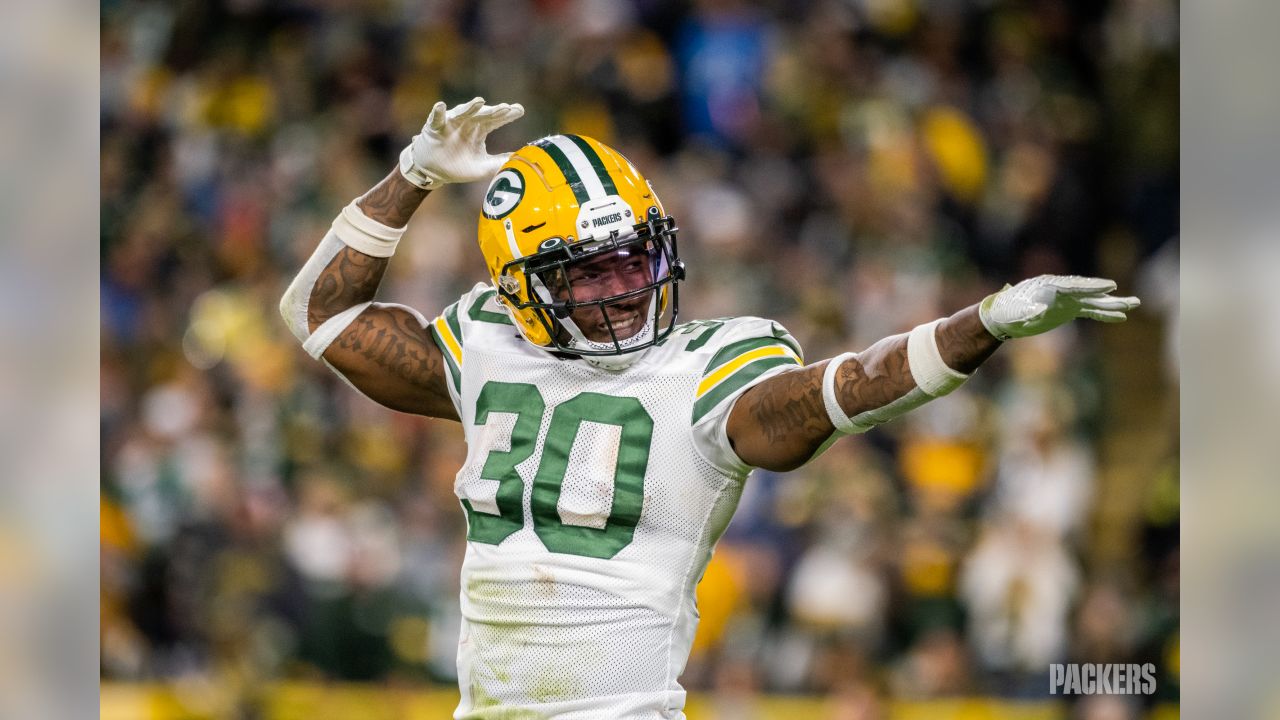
[1043, 303]
[450, 148]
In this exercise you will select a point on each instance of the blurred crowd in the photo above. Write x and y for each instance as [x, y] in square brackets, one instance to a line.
[850, 168]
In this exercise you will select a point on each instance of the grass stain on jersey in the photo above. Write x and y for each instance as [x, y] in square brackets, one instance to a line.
[555, 685]
[505, 641]
[544, 581]
[488, 707]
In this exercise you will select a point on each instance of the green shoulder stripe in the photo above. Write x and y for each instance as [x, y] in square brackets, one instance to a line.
[733, 350]
[478, 313]
[451, 317]
[711, 327]
[787, 339]
[734, 382]
[448, 358]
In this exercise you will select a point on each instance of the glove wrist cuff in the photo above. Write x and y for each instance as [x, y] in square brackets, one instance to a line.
[984, 314]
[415, 174]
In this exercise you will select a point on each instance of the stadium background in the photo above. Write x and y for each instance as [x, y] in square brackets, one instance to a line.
[275, 546]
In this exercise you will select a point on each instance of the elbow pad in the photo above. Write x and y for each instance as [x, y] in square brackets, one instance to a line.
[932, 377]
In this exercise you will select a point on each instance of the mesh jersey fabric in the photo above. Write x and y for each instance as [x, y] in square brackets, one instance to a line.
[594, 499]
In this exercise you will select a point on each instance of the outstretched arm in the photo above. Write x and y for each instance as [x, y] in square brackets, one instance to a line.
[780, 423]
[385, 350]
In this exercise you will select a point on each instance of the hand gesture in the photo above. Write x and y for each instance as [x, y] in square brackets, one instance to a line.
[450, 148]
[1043, 303]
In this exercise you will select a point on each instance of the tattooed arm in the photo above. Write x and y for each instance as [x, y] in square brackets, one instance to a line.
[385, 352]
[780, 423]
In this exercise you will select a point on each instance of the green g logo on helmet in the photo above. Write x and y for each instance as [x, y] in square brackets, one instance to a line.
[504, 194]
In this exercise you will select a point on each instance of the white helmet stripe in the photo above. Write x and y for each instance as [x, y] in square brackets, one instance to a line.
[581, 165]
[511, 240]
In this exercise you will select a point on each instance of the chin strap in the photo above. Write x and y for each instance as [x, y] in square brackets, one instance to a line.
[614, 363]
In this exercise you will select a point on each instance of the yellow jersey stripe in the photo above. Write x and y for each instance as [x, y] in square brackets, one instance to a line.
[733, 365]
[451, 343]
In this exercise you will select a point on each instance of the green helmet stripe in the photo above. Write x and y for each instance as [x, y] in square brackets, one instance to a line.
[596, 164]
[566, 168]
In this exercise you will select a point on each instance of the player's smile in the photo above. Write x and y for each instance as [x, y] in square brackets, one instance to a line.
[614, 273]
[622, 324]
[627, 319]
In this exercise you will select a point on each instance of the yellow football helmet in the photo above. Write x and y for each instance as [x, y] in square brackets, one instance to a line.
[567, 202]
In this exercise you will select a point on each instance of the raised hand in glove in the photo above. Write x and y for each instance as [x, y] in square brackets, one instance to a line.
[450, 148]
[1042, 303]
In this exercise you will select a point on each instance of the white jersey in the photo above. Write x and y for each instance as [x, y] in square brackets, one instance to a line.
[593, 501]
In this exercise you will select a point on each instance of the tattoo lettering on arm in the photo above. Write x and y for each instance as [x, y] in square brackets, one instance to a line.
[385, 352]
[391, 357]
[390, 341]
[781, 422]
[793, 404]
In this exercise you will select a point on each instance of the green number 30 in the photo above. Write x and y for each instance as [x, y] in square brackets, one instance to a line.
[526, 403]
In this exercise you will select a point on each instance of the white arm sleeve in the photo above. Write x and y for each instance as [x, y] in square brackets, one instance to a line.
[293, 306]
[353, 229]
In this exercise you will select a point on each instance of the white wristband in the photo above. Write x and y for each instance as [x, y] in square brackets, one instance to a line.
[835, 413]
[931, 374]
[358, 232]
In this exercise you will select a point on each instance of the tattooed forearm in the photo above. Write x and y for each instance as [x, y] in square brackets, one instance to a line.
[781, 422]
[876, 377]
[353, 277]
[385, 351]
[790, 408]
[964, 341]
[349, 279]
[393, 201]
[882, 373]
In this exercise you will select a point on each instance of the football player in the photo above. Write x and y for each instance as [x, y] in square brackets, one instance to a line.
[607, 444]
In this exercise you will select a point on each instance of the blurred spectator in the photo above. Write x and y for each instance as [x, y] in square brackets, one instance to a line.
[1018, 584]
